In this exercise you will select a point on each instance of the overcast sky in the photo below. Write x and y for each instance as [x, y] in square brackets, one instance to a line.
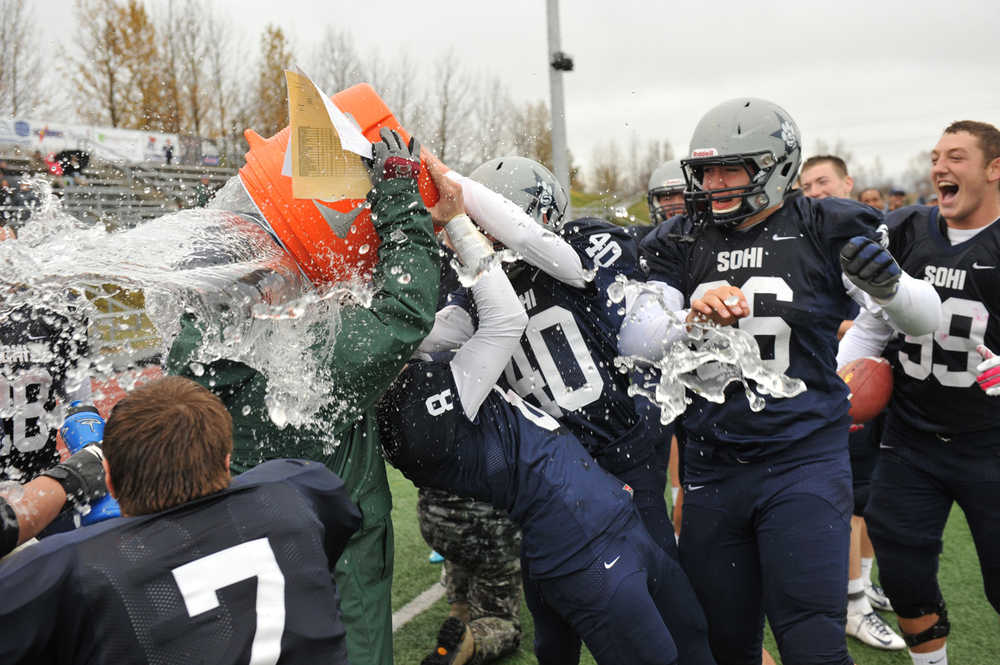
[884, 77]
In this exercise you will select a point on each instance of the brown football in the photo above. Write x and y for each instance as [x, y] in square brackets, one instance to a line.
[870, 383]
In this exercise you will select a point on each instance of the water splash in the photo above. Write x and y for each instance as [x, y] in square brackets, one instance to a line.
[705, 358]
[223, 268]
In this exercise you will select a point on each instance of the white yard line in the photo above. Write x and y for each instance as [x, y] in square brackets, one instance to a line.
[404, 614]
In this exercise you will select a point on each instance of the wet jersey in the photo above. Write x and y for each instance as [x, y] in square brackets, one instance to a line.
[565, 363]
[37, 349]
[935, 374]
[788, 267]
[240, 572]
[514, 456]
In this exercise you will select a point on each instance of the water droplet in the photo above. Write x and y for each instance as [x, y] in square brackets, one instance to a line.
[404, 278]
[364, 249]
[197, 369]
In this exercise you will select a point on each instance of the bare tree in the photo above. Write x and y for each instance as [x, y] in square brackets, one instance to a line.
[190, 32]
[492, 117]
[141, 63]
[271, 108]
[97, 72]
[657, 153]
[223, 82]
[335, 63]
[917, 176]
[22, 85]
[608, 177]
[450, 119]
[532, 133]
[401, 94]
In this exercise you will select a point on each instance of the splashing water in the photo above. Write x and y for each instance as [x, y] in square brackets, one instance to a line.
[223, 268]
[705, 359]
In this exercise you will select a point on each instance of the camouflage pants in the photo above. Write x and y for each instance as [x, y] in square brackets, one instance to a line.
[481, 547]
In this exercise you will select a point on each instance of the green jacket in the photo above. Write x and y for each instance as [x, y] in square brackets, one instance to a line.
[371, 347]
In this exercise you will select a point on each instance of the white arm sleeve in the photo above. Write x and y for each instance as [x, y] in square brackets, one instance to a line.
[452, 328]
[649, 329]
[914, 310]
[916, 307]
[503, 220]
[502, 319]
[867, 337]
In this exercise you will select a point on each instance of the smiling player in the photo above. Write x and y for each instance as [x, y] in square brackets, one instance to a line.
[942, 440]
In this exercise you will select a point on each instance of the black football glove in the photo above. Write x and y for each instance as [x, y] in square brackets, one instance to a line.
[82, 476]
[391, 159]
[871, 267]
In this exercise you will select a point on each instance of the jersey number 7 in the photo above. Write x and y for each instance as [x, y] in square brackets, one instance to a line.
[199, 580]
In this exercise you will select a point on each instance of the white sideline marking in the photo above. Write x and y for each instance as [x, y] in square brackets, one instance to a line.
[407, 612]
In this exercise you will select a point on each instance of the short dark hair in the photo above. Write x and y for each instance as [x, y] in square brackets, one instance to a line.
[986, 134]
[838, 164]
[166, 443]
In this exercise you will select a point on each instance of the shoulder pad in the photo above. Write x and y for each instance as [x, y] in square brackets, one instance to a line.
[418, 415]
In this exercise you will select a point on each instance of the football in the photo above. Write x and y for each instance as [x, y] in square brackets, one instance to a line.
[870, 382]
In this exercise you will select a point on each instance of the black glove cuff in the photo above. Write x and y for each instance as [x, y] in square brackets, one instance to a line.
[81, 477]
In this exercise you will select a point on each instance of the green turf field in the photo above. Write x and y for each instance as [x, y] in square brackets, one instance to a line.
[974, 640]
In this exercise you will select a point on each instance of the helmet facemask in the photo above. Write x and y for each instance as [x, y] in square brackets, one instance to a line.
[753, 198]
[658, 212]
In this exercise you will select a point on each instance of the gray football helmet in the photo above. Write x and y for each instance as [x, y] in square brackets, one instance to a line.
[667, 179]
[529, 185]
[753, 133]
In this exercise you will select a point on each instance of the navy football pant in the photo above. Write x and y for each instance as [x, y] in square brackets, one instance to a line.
[649, 483]
[632, 605]
[918, 477]
[771, 535]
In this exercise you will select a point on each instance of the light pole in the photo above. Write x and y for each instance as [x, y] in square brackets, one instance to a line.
[559, 62]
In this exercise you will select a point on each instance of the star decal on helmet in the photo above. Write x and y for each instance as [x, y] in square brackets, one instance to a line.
[787, 133]
[544, 197]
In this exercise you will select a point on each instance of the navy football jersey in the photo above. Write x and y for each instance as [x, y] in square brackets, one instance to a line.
[788, 267]
[246, 572]
[514, 456]
[565, 363]
[37, 349]
[935, 374]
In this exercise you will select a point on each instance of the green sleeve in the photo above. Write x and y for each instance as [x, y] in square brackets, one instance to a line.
[374, 342]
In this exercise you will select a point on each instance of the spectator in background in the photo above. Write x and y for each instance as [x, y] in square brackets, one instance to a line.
[897, 199]
[826, 175]
[37, 164]
[931, 200]
[168, 152]
[872, 197]
[202, 192]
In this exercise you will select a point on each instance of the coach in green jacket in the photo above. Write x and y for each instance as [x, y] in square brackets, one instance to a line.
[371, 347]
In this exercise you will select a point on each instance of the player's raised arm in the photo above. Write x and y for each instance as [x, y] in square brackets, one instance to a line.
[375, 341]
[481, 359]
[912, 305]
[504, 220]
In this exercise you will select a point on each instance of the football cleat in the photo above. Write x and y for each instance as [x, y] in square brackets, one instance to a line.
[877, 598]
[874, 631]
[455, 644]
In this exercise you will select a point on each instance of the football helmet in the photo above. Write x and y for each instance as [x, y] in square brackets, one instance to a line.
[755, 134]
[531, 186]
[667, 179]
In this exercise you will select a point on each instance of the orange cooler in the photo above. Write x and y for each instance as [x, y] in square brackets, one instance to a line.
[298, 223]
